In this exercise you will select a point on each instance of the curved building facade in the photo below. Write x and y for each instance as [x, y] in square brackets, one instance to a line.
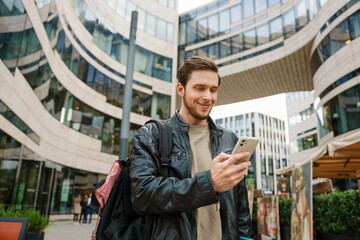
[266, 47]
[62, 78]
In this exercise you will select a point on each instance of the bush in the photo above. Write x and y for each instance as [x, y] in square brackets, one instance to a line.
[338, 212]
[285, 211]
[37, 222]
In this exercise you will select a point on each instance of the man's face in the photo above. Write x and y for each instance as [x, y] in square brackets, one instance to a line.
[199, 96]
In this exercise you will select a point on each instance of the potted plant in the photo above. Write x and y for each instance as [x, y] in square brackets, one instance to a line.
[285, 215]
[37, 222]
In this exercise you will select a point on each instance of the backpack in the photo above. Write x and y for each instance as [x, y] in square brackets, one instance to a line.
[111, 198]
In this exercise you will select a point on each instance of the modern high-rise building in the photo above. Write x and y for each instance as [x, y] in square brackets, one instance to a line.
[271, 152]
[303, 135]
[62, 78]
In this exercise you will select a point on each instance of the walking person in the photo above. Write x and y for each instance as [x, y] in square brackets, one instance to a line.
[83, 209]
[88, 211]
[77, 208]
[205, 196]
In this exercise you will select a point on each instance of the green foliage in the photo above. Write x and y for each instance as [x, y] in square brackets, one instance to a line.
[285, 211]
[254, 214]
[37, 222]
[338, 212]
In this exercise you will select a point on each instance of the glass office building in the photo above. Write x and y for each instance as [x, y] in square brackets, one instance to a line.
[63, 66]
[271, 152]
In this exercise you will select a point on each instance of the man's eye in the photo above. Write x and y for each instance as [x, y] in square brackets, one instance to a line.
[213, 90]
[200, 89]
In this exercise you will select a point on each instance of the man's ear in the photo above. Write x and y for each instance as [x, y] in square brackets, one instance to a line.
[180, 89]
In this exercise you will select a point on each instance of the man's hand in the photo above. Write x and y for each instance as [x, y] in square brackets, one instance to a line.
[225, 174]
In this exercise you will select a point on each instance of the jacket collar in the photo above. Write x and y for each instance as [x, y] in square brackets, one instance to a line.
[177, 122]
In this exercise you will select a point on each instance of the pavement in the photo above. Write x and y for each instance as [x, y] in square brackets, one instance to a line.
[68, 230]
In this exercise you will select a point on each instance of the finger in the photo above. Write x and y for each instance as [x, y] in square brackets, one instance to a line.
[244, 165]
[236, 157]
[221, 157]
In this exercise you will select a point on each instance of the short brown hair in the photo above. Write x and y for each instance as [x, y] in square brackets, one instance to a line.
[196, 63]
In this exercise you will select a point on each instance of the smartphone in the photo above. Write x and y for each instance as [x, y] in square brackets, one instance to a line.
[245, 144]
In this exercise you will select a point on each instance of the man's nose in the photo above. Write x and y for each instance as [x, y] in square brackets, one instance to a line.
[207, 95]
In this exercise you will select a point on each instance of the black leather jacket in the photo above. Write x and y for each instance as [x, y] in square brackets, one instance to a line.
[170, 203]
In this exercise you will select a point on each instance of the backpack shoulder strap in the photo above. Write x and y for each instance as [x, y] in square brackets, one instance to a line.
[165, 144]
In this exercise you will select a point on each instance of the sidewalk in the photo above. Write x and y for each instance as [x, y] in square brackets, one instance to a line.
[68, 230]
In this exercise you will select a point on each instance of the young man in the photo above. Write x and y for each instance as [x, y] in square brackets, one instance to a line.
[204, 196]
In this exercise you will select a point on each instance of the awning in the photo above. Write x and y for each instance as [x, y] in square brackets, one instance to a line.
[338, 159]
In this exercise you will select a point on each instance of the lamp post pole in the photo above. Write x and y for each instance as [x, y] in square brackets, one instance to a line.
[125, 121]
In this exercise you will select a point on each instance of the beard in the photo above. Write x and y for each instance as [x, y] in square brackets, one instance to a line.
[195, 113]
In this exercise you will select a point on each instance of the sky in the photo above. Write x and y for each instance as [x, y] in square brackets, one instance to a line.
[274, 106]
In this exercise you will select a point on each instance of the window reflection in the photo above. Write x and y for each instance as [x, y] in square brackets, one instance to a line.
[289, 23]
[339, 36]
[341, 114]
[301, 15]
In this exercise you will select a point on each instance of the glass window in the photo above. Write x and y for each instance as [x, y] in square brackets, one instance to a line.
[12, 45]
[354, 21]
[119, 49]
[103, 38]
[249, 39]
[5, 7]
[214, 51]
[129, 8]
[314, 8]
[162, 68]
[190, 31]
[289, 23]
[182, 33]
[260, 5]
[301, 15]
[144, 61]
[213, 24]
[171, 4]
[237, 44]
[203, 51]
[121, 6]
[273, 2]
[263, 165]
[163, 2]
[18, 8]
[276, 29]
[339, 36]
[8, 170]
[170, 32]
[160, 106]
[161, 29]
[224, 48]
[150, 24]
[224, 21]
[141, 19]
[235, 13]
[202, 27]
[262, 34]
[248, 8]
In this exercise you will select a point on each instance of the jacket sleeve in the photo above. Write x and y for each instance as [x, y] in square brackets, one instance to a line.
[153, 194]
[244, 220]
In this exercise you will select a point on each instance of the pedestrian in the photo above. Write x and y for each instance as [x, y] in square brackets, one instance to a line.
[205, 196]
[88, 211]
[83, 208]
[77, 208]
